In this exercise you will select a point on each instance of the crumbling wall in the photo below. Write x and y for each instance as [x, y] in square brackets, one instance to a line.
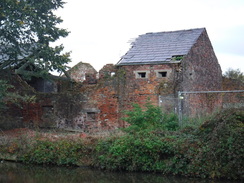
[81, 71]
[88, 106]
[102, 100]
[55, 111]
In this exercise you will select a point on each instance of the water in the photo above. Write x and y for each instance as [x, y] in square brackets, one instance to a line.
[20, 173]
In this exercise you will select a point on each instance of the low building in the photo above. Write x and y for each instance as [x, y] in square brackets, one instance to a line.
[159, 65]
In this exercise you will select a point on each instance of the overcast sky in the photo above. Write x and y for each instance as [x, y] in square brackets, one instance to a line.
[100, 30]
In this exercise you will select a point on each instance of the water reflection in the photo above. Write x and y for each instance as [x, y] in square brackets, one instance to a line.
[16, 172]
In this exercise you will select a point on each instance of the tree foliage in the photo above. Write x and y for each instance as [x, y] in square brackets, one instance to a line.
[27, 30]
[27, 27]
[234, 74]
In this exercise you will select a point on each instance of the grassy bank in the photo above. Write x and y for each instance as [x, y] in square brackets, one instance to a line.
[153, 143]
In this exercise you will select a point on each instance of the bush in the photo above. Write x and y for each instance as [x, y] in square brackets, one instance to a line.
[152, 118]
[222, 149]
[214, 150]
[140, 152]
[62, 152]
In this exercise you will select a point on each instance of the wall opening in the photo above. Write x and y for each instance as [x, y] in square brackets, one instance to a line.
[162, 74]
[91, 116]
[142, 74]
[165, 73]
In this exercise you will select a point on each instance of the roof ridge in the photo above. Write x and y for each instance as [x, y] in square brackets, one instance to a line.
[174, 31]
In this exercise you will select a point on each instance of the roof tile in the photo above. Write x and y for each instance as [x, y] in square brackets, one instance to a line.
[160, 46]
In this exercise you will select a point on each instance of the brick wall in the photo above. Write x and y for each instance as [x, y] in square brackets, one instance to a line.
[200, 72]
[153, 88]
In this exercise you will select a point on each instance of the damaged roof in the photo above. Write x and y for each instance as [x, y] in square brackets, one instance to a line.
[153, 48]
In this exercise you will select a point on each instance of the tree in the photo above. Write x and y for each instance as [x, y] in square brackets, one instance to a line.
[234, 74]
[27, 27]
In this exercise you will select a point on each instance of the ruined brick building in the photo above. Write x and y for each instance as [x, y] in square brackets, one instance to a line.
[155, 69]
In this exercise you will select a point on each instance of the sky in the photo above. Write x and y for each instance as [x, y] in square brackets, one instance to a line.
[101, 30]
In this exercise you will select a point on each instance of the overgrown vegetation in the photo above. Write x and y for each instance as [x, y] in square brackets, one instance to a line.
[63, 152]
[212, 150]
[153, 143]
[41, 148]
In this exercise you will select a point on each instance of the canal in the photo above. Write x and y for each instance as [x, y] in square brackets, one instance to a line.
[20, 173]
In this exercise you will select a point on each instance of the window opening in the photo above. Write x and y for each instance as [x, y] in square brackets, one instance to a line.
[142, 74]
[162, 74]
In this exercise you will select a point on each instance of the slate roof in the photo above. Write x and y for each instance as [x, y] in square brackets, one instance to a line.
[160, 47]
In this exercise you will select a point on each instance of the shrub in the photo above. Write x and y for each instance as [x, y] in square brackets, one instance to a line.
[140, 152]
[222, 149]
[62, 152]
[213, 150]
[152, 118]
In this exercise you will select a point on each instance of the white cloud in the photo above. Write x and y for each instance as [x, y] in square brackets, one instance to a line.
[100, 30]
